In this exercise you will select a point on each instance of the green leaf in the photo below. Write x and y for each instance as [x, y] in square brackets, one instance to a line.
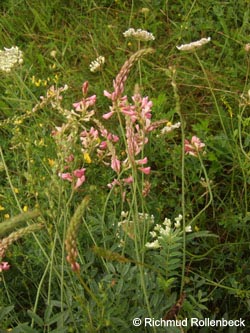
[24, 328]
[5, 311]
[38, 320]
[58, 317]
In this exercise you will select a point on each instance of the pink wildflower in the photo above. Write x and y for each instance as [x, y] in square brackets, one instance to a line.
[4, 266]
[194, 147]
[108, 115]
[128, 180]
[103, 145]
[85, 103]
[114, 183]
[80, 175]
[66, 176]
[115, 164]
[142, 161]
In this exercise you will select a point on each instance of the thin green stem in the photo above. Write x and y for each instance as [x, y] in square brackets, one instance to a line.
[212, 92]
[183, 205]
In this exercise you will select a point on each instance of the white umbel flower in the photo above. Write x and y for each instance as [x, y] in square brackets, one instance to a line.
[9, 58]
[194, 45]
[139, 34]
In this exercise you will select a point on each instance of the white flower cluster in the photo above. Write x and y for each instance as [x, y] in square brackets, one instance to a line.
[9, 58]
[193, 45]
[165, 230]
[170, 127]
[96, 65]
[139, 34]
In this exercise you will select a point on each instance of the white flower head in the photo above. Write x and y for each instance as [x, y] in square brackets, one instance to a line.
[139, 34]
[194, 45]
[9, 58]
[96, 65]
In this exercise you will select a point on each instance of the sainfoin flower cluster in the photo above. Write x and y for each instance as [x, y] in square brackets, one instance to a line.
[123, 155]
[194, 147]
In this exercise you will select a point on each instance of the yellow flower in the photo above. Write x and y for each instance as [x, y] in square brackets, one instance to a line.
[38, 83]
[51, 162]
[2, 208]
[25, 208]
[6, 216]
[16, 190]
[87, 158]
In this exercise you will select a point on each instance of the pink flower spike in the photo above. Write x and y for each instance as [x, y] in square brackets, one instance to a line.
[4, 266]
[66, 176]
[145, 170]
[108, 115]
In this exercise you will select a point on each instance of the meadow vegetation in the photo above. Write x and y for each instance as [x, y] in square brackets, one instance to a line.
[124, 164]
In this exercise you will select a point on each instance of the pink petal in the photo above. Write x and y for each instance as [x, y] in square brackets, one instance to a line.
[145, 170]
[66, 176]
[108, 115]
[79, 173]
[80, 181]
[115, 164]
[142, 161]
[128, 180]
